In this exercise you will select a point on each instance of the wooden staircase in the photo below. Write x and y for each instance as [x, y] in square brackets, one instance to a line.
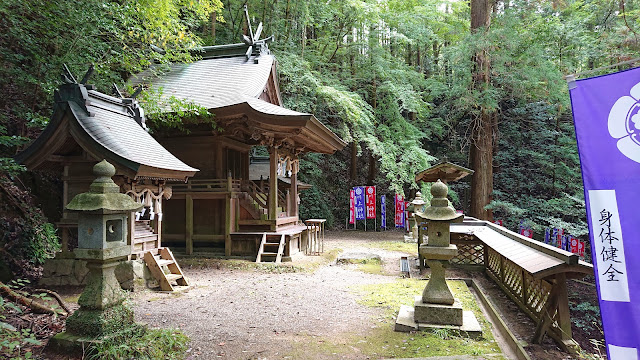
[144, 238]
[165, 269]
[271, 248]
[256, 200]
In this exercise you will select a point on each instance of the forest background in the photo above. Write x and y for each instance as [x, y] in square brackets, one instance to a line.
[406, 83]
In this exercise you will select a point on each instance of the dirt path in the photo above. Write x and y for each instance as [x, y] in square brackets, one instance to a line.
[236, 314]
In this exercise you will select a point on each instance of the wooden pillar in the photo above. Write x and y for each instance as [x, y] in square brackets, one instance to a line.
[189, 225]
[563, 317]
[131, 224]
[294, 188]
[219, 161]
[65, 200]
[273, 183]
[227, 225]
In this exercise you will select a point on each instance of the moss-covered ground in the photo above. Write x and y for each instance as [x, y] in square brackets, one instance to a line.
[409, 248]
[381, 341]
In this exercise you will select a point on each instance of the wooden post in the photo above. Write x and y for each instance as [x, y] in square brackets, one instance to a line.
[189, 225]
[524, 287]
[288, 202]
[227, 226]
[294, 188]
[65, 200]
[273, 183]
[485, 259]
[131, 225]
[219, 161]
[563, 318]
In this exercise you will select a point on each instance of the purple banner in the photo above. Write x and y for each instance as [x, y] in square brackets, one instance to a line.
[383, 212]
[607, 121]
[359, 202]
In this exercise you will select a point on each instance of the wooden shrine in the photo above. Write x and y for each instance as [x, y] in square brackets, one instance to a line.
[87, 127]
[225, 209]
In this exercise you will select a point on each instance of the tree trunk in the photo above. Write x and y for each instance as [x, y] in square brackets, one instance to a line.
[354, 160]
[213, 28]
[482, 134]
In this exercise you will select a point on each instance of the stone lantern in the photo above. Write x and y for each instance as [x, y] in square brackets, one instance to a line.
[418, 207]
[436, 307]
[102, 243]
[438, 250]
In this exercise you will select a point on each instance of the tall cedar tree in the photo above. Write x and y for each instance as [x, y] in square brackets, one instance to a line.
[484, 124]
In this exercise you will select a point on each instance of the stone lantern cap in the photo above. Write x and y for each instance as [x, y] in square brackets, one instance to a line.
[104, 195]
[418, 199]
[440, 209]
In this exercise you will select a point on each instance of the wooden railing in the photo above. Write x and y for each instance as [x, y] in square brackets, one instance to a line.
[256, 193]
[208, 185]
[542, 297]
[260, 194]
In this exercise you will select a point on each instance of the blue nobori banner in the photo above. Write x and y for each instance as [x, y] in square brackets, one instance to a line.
[606, 113]
[359, 202]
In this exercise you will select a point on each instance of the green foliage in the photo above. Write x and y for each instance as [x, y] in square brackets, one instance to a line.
[138, 342]
[14, 344]
[171, 113]
[589, 315]
[25, 235]
[37, 37]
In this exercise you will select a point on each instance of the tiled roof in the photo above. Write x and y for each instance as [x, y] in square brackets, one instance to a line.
[106, 127]
[117, 131]
[219, 82]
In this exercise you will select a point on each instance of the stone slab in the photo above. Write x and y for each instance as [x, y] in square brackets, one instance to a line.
[405, 322]
[437, 313]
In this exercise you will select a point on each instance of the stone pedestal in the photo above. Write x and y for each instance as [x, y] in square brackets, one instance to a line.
[437, 314]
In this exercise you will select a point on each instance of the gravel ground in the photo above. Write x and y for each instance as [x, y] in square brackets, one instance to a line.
[237, 314]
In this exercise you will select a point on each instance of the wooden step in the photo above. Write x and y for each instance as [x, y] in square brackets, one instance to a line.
[157, 265]
[264, 244]
[173, 277]
[162, 263]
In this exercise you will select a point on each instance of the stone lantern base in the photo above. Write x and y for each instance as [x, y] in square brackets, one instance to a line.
[406, 320]
[437, 314]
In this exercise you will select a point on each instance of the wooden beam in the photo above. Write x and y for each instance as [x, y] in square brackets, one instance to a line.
[189, 225]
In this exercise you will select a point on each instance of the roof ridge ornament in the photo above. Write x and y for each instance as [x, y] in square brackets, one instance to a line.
[254, 38]
[72, 90]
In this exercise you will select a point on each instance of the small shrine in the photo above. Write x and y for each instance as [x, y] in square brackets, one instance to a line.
[239, 203]
[86, 127]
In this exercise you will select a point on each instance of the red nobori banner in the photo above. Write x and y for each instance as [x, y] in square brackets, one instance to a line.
[399, 210]
[352, 210]
[370, 202]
